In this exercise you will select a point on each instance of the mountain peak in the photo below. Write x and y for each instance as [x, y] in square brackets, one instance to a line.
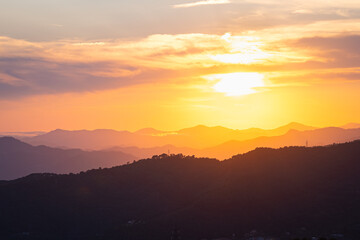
[58, 130]
[148, 131]
[11, 142]
[296, 126]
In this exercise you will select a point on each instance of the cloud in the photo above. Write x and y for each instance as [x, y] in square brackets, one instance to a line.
[140, 18]
[349, 43]
[201, 3]
[331, 52]
[303, 11]
[323, 76]
[35, 68]
[44, 76]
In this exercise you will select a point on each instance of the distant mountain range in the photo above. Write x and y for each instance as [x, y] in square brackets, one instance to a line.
[217, 142]
[195, 137]
[18, 159]
[293, 192]
[316, 137]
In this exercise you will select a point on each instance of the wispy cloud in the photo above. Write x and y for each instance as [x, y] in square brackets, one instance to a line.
[31, 68]
[201, 3]
[35, 68]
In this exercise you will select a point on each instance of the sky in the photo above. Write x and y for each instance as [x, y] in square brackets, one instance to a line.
[173, 64]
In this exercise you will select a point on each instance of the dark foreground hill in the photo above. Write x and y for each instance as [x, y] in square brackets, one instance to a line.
[18, 159]
[294, 191]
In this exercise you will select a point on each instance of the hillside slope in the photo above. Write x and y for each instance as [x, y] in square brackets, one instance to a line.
[295, 190]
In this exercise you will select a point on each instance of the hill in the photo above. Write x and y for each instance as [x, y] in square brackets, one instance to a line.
[18, 159]
[288, 192]
[142, 153]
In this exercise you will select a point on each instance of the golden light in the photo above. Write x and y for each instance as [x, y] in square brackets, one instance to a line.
[237, 84]
[241, 49]
[242, 58]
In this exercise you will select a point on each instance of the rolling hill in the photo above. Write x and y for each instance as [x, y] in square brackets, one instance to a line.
[18, 159]
[285, 193]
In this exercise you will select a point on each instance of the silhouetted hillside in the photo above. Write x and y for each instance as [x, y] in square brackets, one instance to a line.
[18, 159]
[142, 153]
[293, 191]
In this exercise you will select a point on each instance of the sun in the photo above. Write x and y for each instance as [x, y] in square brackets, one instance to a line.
[237, 84]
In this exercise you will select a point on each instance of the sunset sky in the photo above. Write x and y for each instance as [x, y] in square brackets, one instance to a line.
[126, 65]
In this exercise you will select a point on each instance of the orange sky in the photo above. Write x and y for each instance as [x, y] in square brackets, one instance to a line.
[266, 67]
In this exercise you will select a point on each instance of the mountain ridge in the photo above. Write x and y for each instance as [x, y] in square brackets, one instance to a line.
[18, 159]
[286, 192]
[315, 137]
[195, 137]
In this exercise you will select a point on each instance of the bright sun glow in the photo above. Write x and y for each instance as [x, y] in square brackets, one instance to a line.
[243, 50]
[242, 58]
[237, 84]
